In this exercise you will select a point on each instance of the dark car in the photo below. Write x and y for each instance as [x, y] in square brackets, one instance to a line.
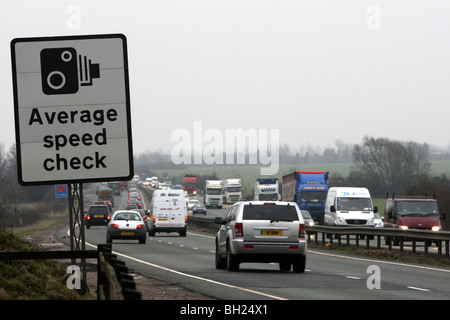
[106, 203]
[199, 208]
[134, 204]
[97, 215]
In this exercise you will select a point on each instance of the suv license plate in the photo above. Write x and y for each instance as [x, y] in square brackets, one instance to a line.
[98, 216]
[271, 232]
[127, 233]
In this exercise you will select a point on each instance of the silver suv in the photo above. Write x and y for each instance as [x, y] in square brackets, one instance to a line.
[258, 231]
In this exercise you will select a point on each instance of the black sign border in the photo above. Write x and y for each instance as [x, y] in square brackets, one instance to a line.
[127, 102]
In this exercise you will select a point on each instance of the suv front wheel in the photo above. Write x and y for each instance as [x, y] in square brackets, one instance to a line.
[221, 263]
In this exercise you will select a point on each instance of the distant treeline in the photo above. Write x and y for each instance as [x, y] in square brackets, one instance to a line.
[341, 152]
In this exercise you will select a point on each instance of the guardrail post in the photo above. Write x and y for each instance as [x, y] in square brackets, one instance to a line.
[447, 249]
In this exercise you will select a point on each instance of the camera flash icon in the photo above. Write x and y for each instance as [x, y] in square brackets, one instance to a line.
[63, 71]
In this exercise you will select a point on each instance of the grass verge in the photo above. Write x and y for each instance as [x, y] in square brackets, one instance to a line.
[34, 279]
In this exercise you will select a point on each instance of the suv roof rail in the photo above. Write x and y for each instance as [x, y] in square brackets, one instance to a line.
[426, 196]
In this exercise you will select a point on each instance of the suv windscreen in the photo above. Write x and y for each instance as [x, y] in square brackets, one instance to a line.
[270, 212]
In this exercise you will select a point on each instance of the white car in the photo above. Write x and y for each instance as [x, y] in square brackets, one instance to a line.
[126, 224]
[192, 203]
[378, 220]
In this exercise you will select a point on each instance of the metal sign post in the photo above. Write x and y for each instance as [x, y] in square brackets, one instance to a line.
[76, 223]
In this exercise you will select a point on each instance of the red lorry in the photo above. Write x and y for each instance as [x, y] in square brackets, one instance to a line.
[190, 184]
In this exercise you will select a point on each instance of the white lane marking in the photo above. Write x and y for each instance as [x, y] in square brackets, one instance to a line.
[354, 278]
[419, 289]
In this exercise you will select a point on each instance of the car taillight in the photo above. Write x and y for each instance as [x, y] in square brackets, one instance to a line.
[185, 219]
[139, 226]
[301, 231]
[89, 217]
[238, 230]
[109, 218]
[116, 226]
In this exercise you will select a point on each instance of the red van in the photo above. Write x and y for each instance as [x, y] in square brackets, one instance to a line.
[411, 212]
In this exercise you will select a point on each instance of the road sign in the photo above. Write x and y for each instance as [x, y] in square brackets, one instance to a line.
[72, 109]
[61, 191]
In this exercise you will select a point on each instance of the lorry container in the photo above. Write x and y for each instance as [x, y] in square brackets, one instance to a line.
[213, 194]
[106, 194]
[309, 190]
[266, 190]
[232, 190]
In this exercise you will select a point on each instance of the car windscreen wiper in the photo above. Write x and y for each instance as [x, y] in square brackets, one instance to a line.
[278, 220]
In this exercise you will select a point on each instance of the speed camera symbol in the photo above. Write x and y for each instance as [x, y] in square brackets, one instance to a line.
[63, 71]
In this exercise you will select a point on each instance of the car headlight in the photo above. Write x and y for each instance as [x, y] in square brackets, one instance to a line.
[435, 228]
[311, 223]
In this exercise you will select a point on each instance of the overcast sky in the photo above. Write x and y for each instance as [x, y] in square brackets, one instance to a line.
[318, 71]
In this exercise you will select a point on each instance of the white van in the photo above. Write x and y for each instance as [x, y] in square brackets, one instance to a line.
[168, 212]
[349, 207]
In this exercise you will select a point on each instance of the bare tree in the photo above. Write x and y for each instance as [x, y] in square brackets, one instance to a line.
[394, 165]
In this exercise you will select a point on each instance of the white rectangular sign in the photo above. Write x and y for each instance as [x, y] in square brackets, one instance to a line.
[72, 109]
